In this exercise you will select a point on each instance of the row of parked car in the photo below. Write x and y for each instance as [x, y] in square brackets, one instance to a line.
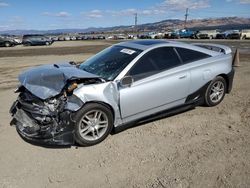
[26, 40]
[76, 37]
[32, 40]
[204, 34]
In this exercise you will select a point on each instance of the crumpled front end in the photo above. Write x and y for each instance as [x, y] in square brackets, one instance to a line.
[43, 121]
[50, 97]
[46, 105]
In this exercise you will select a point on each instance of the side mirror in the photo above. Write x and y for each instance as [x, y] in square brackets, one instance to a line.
[127, 81]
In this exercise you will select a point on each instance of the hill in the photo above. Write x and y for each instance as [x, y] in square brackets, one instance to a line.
[196, 24]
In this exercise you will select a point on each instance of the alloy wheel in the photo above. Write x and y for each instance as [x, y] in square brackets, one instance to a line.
[217, 91]
[93, 125]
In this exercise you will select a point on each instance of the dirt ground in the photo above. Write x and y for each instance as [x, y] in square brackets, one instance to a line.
[204, 147]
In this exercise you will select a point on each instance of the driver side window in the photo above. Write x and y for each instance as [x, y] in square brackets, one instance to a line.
[153, 62]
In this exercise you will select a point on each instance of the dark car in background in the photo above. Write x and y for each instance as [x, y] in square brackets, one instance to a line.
[230, 34]
[7, 41]
[184, 33]
[36, 40]
[234, 35]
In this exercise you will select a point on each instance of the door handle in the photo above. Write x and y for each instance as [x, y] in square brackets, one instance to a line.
[182, 77]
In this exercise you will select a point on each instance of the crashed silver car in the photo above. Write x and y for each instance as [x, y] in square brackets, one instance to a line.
[122, 85]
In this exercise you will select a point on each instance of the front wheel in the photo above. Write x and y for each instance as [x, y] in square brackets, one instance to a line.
[27, 44]
[94, 123]
[7, 44]
[215, 91]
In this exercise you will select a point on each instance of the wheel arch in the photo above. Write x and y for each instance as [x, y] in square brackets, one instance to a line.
[225, 76]
[103, 104]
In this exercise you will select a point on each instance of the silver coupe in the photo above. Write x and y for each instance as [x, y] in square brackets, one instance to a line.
[120, 86]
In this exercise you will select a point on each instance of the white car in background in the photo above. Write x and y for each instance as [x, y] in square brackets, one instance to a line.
[67, 38]
[245, 34]
[17, 40]
[207, 34]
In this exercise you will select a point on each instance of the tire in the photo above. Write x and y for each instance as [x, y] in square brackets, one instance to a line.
[7, 44]
[215, 92]
[47, 43]
[94, 122]
[27, 44]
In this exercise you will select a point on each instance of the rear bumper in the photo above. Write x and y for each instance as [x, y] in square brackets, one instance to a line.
[230, 77]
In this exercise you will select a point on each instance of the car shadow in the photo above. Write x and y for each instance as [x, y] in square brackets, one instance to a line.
[49, 146]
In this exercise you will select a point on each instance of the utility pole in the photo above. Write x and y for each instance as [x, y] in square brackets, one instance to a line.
[136, 19]
[186, 17]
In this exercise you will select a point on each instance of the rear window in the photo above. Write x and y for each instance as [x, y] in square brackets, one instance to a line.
[188, 55]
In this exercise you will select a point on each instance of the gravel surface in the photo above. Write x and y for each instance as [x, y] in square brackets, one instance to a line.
[203, 147]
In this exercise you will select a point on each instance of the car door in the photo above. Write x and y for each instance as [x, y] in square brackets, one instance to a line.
[40, 40]
[158, 84]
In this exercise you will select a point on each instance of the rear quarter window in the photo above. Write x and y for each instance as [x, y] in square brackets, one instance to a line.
[189, 56]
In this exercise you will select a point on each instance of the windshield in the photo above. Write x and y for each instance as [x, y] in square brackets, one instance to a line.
[110, 62]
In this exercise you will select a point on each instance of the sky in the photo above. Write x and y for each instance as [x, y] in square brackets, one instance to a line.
[68, 14]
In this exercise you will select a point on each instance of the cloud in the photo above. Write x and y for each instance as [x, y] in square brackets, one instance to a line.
[13, 23]
[3, 4]
[239, 1]
[152, 12]
[244, 1]
[61, 14]
[127, 12]
[178, 5]
[165, 7]
[130, 12]
[93, 14]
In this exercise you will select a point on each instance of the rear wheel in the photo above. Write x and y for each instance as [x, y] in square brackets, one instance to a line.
[94, 123]
[47, 43]
[215, 91]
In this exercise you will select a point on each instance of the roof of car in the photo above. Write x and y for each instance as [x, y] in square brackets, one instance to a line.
[146, 44]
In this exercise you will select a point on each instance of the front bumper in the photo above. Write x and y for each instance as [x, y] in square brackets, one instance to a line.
[26, 127]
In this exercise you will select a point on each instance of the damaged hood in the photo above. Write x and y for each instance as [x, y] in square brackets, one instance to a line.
[48, 80]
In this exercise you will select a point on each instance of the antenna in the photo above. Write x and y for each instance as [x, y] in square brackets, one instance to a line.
[186, 17]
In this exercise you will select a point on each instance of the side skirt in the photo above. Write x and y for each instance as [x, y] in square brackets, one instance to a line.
[160, 115]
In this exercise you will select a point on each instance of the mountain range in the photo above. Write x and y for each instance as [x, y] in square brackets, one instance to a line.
[224, 23]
